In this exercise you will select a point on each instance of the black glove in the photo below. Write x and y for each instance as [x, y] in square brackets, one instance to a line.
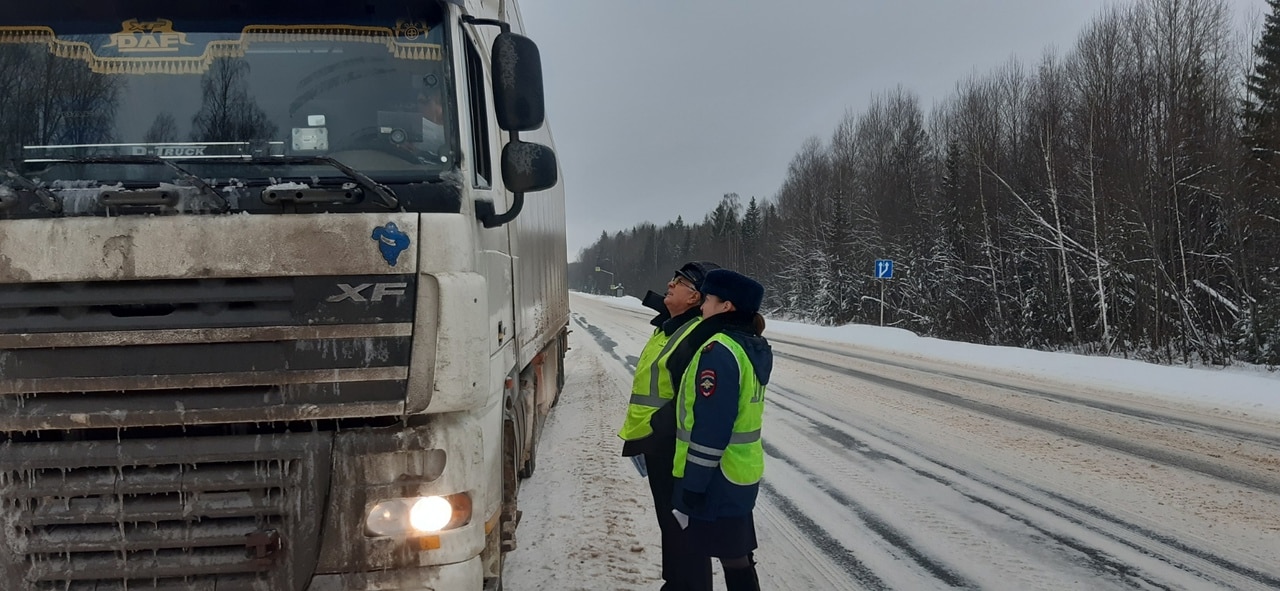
[695, 501]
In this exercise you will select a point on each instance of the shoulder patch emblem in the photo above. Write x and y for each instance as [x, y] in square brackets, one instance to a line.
[707, 382]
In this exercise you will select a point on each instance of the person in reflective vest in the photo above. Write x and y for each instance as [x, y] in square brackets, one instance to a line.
[649, 431]
[719, 456]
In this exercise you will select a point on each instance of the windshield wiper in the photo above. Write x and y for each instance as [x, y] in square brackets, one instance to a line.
[51, 201]
[219, 201]
[385, 195]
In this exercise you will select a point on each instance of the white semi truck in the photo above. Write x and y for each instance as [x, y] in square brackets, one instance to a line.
[275, 310]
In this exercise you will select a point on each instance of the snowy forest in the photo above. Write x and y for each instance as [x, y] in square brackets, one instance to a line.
[1121, 197]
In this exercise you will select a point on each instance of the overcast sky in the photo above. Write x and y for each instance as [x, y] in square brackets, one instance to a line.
[659, 107]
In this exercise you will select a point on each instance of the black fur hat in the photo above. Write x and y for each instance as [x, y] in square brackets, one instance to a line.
[745, 293]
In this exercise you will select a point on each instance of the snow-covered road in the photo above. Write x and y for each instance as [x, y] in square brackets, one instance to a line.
[893, 472]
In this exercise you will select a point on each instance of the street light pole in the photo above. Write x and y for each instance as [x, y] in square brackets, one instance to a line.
[599, 270]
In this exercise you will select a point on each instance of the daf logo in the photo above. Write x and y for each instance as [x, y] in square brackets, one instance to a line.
[148, 36]
[356, 293]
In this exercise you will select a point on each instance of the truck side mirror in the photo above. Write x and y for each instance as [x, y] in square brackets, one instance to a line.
[528, 167]
[517, 83]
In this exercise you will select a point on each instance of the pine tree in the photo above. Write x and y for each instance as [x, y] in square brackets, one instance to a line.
[679, 241]
[751, 222]
[724, 219]
[1262, 106]
[750, 231]
[1261, 117]
[723, 223]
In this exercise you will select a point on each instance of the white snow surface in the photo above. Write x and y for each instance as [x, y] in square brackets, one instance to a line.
[898, 462]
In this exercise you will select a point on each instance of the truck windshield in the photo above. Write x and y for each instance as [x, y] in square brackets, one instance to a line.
[369, 88]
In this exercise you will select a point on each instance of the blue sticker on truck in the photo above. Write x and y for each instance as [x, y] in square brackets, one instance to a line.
[391, 241]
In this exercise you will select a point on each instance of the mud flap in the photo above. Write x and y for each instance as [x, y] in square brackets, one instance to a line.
[510, 517]
[493, 546]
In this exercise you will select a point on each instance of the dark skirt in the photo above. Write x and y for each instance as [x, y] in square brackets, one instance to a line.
[727, 537]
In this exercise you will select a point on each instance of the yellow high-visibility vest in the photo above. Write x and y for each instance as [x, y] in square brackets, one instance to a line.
[652, 387]
[742, 462]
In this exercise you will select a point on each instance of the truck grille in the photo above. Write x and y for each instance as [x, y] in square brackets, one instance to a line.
[183, 352]
[218, 513]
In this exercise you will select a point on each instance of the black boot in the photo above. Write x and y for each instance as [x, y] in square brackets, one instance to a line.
[742, 579]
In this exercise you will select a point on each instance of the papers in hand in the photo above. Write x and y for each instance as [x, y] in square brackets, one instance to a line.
[638, 460]
[681, 518]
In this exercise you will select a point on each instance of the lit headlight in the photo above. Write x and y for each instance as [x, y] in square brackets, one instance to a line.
[418, 515]
[430, 514]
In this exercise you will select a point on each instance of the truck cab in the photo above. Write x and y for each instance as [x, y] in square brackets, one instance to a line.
[275, 311]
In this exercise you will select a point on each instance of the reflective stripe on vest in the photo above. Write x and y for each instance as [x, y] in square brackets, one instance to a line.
[652, 386]
[742, 462]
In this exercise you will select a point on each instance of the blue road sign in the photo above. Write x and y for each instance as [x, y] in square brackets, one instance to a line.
[884, 269]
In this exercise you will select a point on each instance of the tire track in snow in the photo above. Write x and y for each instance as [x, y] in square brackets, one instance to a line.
[1172, 458]
[931, 529]
[1271, 581]
[822, 564]
[1099, 561]
[836, 552]
[1167, 419]
[606, 343]
[888, 533]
